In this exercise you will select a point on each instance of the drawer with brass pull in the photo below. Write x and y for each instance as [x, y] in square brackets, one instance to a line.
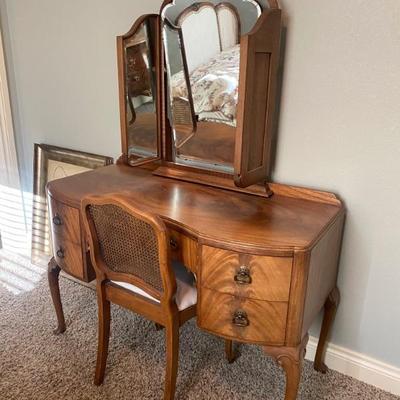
[64, 220]
[68, 256]
[69, 246]
[243, 319]
[244, 275]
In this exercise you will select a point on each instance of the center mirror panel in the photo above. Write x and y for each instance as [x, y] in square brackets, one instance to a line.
[202, 53]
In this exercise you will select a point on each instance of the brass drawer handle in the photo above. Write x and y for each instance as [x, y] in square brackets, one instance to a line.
[240, 319]
[243, 276]
[57, 220]
[60, 253]
[174, 244]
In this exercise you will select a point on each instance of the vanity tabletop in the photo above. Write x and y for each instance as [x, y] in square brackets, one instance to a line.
[237, 221]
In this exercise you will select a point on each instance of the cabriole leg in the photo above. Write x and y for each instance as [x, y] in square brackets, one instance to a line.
[53, 273]
[291, 360]
[331, 305]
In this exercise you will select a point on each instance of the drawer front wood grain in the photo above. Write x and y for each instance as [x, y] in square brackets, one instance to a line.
[222, 314]
[68, 256]
[255, 277]
[64, 220]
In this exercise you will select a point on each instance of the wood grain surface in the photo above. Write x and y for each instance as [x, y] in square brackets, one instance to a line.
[267, 320]
[68, 256]
[68, 220]
[269, 276]
[233, 220]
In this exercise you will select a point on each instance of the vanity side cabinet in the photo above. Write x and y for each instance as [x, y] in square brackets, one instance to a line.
[259, 64]
[314, 279]
[69, 246]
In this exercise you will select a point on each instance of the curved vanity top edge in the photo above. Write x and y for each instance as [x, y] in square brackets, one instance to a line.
[62, 197]
[277, 250]
[72, 189]
[236, 246]
[242, 247]
[341, 213]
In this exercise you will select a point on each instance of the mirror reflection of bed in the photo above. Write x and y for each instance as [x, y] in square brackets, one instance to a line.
[203, 75]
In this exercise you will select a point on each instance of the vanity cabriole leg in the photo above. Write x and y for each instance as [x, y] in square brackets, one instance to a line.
[331, 305]
[291, 360]
[53, 273]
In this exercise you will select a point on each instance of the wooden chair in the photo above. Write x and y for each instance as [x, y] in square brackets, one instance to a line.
[131, 256]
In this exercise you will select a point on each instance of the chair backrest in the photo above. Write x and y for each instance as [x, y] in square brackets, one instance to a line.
[128, 244]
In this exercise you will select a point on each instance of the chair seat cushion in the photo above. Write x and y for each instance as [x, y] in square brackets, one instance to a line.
[186, 292]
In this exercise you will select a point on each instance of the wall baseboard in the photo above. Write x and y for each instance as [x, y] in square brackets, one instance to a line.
[358, 366]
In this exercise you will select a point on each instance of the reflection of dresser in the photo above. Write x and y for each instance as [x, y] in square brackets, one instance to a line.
[138, 82]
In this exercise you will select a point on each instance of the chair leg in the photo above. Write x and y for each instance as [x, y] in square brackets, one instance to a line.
[172, 345]
[104, 335]
[230, 351]
[158, 327]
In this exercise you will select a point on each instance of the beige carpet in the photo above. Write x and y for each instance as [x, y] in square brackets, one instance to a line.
[35, 364]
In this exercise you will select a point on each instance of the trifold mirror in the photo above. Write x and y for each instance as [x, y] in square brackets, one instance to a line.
[198, 85]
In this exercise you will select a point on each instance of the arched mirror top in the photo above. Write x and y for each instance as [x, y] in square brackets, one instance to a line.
[248, 11]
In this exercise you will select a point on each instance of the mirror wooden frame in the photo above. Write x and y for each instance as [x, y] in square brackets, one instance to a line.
[125, 158]
[259, 63]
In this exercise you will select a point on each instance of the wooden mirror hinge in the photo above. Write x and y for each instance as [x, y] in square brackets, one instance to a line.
[122, 159]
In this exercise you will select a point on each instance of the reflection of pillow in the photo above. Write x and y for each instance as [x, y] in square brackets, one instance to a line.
[214, 84]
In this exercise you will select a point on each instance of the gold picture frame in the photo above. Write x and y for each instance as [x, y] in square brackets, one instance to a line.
[52, 162]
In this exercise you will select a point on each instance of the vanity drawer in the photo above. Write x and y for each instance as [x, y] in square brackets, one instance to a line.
[184, 249]
[68, 256]
[242, 319]
[243, 275]
[64, 221]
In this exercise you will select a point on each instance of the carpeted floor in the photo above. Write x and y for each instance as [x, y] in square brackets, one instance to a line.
[36, 365]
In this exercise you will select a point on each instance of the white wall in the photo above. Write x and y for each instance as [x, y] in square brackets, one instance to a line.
[63, 72]
[339, 123]
[340, 130]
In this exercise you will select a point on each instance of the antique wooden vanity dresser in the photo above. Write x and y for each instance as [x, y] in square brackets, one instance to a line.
[198, 103]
